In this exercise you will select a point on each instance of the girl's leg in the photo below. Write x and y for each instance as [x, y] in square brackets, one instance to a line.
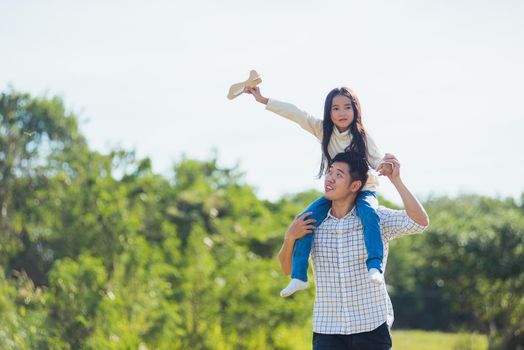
[302, 247]
[367, 205]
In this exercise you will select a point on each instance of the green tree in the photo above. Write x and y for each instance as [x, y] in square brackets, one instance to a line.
[76, 288]
[31, 129]
[137, 310]
[474, 255]
[101, 252]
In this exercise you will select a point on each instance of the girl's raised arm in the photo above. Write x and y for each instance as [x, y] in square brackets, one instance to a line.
[289, 111]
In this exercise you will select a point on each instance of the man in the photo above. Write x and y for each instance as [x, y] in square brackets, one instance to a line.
[350, 312]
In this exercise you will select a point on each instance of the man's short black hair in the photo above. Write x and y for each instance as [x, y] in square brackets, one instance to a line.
[358, 166]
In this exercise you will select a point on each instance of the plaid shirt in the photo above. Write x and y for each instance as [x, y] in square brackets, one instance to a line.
[346, 302]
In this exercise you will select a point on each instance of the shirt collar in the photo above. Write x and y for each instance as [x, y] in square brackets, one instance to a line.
[352, 212]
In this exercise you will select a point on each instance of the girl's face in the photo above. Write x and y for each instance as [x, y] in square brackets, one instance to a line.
[342, 113]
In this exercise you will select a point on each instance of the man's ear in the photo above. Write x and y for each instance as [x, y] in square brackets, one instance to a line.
[355, 186]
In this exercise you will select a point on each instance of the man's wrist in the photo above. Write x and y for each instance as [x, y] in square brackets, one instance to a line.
[289, 237]
[397, 181]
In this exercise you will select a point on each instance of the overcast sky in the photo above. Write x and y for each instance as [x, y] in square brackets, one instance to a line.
[440, 82]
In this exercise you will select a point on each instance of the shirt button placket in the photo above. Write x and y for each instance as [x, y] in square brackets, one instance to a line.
[340, 256]
[341, 253]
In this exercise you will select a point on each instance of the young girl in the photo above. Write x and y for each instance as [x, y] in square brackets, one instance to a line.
[341, 130]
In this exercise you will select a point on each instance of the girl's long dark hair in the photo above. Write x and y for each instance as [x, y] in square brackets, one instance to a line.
[356, 128]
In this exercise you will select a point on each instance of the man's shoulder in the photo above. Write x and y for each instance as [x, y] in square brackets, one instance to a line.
[385, 211]
[397, 222]
[387, 214]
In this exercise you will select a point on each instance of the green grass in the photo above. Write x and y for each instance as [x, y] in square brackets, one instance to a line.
[295, 338]
[421, 340]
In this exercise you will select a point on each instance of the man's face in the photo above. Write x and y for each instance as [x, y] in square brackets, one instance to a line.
[337, 182]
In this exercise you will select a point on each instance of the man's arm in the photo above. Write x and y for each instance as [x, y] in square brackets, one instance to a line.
[413, 208]
[298, 229]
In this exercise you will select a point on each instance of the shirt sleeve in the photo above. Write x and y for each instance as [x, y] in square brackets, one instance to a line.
[375, 155]
[305, 120]
[396, 223]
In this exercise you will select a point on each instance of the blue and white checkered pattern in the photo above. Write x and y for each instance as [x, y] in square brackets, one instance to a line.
[346, 302]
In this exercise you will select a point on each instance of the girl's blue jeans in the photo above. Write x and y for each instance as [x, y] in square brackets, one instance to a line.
[367, 205]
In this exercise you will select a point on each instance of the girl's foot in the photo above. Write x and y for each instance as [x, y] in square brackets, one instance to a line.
[294, 286]
[375, 276]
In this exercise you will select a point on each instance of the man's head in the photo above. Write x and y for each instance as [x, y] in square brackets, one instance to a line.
[347, 174]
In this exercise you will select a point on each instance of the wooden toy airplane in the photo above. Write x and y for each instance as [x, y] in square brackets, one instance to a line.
[237, 89]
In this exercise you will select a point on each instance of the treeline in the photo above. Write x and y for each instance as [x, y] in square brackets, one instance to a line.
[99, 252]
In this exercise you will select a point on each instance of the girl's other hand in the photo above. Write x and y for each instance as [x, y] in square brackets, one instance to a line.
[255, 91]
[391, 159]
[385, 168]
[387, 165]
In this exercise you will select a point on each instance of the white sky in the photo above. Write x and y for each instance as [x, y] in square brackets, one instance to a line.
[440, 82]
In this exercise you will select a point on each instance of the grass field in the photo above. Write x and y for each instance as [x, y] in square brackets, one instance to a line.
[421, 340]
[294, 338]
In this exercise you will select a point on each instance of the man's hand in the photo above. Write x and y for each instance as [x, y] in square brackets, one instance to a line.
[394, 174]
[385, 168]
[300, 227]
[255, 91]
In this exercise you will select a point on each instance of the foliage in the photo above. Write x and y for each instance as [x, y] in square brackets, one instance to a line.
[99, 252]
